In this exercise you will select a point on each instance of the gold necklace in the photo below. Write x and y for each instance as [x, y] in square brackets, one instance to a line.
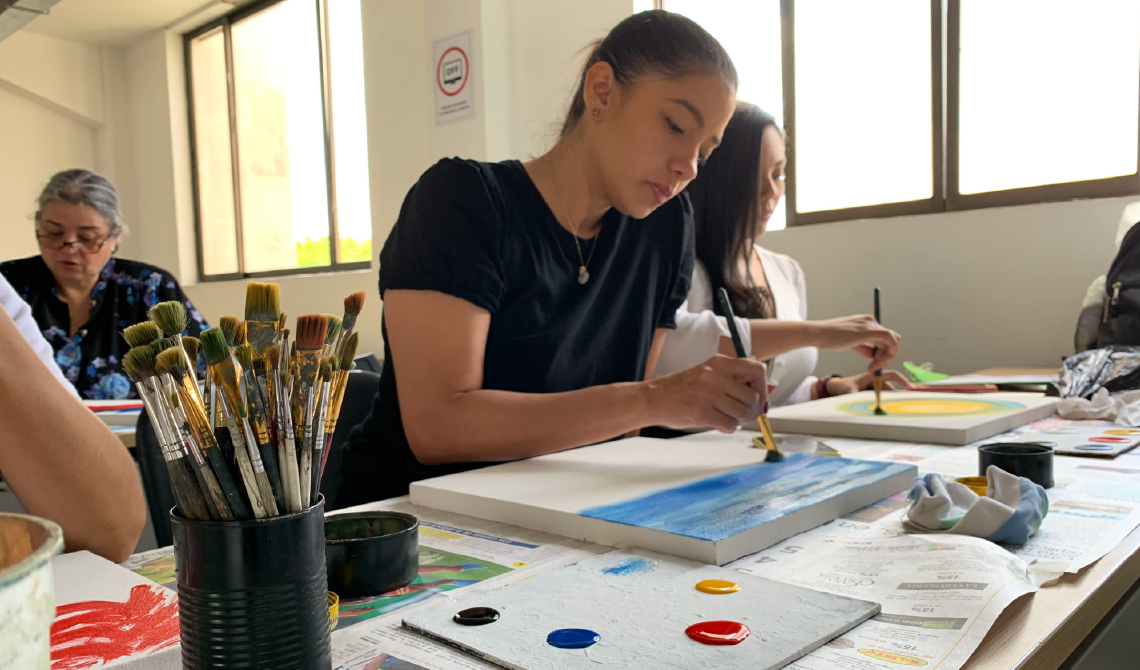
[583, 273]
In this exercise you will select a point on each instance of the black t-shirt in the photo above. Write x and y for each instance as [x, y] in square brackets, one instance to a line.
[482, 232]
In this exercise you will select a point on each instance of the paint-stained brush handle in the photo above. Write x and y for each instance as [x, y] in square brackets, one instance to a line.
[726, 309]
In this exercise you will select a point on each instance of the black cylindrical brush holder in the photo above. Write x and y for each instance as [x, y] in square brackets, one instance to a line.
[253, 594]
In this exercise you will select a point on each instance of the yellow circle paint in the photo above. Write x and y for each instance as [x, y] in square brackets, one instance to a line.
[930, 407]
[1122, 431]
[717, 586]
[519, 564]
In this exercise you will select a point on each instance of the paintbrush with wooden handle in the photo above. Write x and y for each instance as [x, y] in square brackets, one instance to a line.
[194, 415]
[226, 374]
[311, 330]
[139, 364]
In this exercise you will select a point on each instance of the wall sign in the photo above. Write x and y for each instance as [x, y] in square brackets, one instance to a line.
[454, 91]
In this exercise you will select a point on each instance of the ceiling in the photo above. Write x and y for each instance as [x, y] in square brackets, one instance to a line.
[120, 22]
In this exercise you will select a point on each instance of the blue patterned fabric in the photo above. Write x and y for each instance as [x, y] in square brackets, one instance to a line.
[91, 359]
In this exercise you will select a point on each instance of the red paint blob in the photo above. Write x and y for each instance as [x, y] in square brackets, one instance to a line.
[1109, 438]
[718, 632]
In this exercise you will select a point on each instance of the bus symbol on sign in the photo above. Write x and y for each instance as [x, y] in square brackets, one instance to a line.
[452, 71]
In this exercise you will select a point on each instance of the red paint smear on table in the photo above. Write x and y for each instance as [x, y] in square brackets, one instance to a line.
[95, 632]
[718, 632]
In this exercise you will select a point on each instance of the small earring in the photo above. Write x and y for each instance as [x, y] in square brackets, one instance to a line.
[596, 112]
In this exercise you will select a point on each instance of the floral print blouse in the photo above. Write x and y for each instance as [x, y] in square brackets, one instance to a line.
[91, 360]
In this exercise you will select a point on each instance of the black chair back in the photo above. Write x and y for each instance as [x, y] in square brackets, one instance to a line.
[155, 480]
[358, 397]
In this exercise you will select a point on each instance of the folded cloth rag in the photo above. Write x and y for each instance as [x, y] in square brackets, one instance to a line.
[1010, 512]
[1124, 408]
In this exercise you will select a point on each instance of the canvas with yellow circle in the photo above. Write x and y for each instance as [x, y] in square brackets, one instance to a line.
[931, 407]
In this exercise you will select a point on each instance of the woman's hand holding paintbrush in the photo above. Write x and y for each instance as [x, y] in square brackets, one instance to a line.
[723, 392]
[769, 438]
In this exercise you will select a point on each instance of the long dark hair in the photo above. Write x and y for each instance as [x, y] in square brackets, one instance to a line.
[653, 42]
[726, 208]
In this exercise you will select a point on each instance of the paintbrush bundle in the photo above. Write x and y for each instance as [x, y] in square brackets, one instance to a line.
[252, 441]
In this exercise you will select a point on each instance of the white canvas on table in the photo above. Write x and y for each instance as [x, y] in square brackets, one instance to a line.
[109, 617]
[712, 504]
[640, 604]
[928, 418]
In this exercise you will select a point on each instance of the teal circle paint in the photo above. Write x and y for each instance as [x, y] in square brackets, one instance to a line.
[572, 638]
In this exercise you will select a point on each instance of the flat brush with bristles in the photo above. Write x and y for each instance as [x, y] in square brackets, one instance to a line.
[336, 394]
[311, 329]
[226, 374]
[139, 364]
[331, 334]
[196, 425]
[191, 345]
[141, 334]
[171, 318]
[262, 314]
[353, 304]
[229, 326]
[262, 311]
[258, 420]
[161, 344]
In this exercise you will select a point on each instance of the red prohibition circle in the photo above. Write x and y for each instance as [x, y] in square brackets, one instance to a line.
[439, 70]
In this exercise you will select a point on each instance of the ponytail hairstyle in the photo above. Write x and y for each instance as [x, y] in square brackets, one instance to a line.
[653, 42]
[726, 209]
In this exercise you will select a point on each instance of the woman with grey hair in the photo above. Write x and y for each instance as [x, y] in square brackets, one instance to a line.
[81, 296]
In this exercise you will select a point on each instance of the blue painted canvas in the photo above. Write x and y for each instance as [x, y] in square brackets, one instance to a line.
[724, 505]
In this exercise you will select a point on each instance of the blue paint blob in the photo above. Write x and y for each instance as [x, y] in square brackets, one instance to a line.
[1095, 447]
[635, 565]
[572, 638]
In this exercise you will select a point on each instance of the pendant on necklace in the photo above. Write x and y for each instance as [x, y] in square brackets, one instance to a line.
[583, 275]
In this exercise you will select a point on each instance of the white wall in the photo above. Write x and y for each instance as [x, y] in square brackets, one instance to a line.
[967, 290]
[57, 100]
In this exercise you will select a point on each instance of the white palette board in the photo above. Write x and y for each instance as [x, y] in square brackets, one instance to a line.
[640, 604]
[718, 524]
[823, 418]
[1071, 438]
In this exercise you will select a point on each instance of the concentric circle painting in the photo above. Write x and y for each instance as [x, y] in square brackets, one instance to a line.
[929, 407]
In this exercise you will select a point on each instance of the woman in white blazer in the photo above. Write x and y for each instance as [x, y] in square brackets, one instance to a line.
[733, 198]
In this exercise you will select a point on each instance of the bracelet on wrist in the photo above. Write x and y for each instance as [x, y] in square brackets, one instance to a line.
[821, 387]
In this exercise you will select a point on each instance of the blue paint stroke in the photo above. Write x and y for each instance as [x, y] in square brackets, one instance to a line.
[635, 565]
[730, 503]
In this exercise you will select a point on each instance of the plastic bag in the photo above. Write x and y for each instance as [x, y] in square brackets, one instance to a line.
[1115, 368]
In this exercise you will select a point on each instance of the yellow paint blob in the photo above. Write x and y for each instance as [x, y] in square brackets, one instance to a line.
[717, 586]
[1122, 431]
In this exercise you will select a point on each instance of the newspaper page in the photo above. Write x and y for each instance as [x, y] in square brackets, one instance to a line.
[939, 594]
[462, 552]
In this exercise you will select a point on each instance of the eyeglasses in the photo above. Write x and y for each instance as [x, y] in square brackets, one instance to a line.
[58, 241]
